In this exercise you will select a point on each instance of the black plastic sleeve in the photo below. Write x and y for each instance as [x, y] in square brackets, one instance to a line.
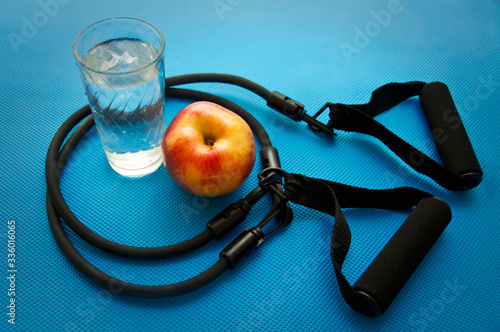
[242, 245]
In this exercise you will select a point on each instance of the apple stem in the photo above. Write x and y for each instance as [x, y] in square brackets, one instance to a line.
[209, 141]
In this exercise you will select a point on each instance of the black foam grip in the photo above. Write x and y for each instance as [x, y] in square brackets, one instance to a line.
[448, 131]
[401, 256]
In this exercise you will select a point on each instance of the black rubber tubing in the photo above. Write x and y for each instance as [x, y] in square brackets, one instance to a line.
[219, 78]
[56, 159]
[99, 276]
[55, 165]
[118, 286]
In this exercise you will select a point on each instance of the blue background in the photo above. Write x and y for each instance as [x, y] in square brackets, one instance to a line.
[295, 47]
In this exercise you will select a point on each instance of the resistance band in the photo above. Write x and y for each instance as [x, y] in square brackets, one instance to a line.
[384, 278]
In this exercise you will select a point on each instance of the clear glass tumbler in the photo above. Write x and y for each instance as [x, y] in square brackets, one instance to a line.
[121, 64]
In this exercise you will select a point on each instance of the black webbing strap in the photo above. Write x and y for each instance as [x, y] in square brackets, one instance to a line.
[388, 96]
[359, 118]
[329, 197]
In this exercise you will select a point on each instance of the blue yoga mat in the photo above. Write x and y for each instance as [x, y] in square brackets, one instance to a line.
[313, 52]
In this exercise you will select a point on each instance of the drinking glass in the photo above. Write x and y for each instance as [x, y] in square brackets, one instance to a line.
[121, 64]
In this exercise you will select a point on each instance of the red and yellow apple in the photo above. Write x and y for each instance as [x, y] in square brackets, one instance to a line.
[208, 150]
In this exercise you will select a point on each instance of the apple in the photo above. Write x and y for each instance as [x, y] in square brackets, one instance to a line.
[208, 150]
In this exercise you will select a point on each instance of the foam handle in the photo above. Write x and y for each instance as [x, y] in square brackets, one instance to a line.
[449, 134]
[401, 256]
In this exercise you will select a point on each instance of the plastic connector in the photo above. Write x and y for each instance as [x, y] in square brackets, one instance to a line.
[286, 106]
[296, 112]
[229, 218]
[242, 245]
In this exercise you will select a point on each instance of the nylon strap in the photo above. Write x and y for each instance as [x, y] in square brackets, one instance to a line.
[330, 197]
[359, 118]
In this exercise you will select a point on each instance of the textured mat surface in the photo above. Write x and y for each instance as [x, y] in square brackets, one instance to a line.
[313, 52]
